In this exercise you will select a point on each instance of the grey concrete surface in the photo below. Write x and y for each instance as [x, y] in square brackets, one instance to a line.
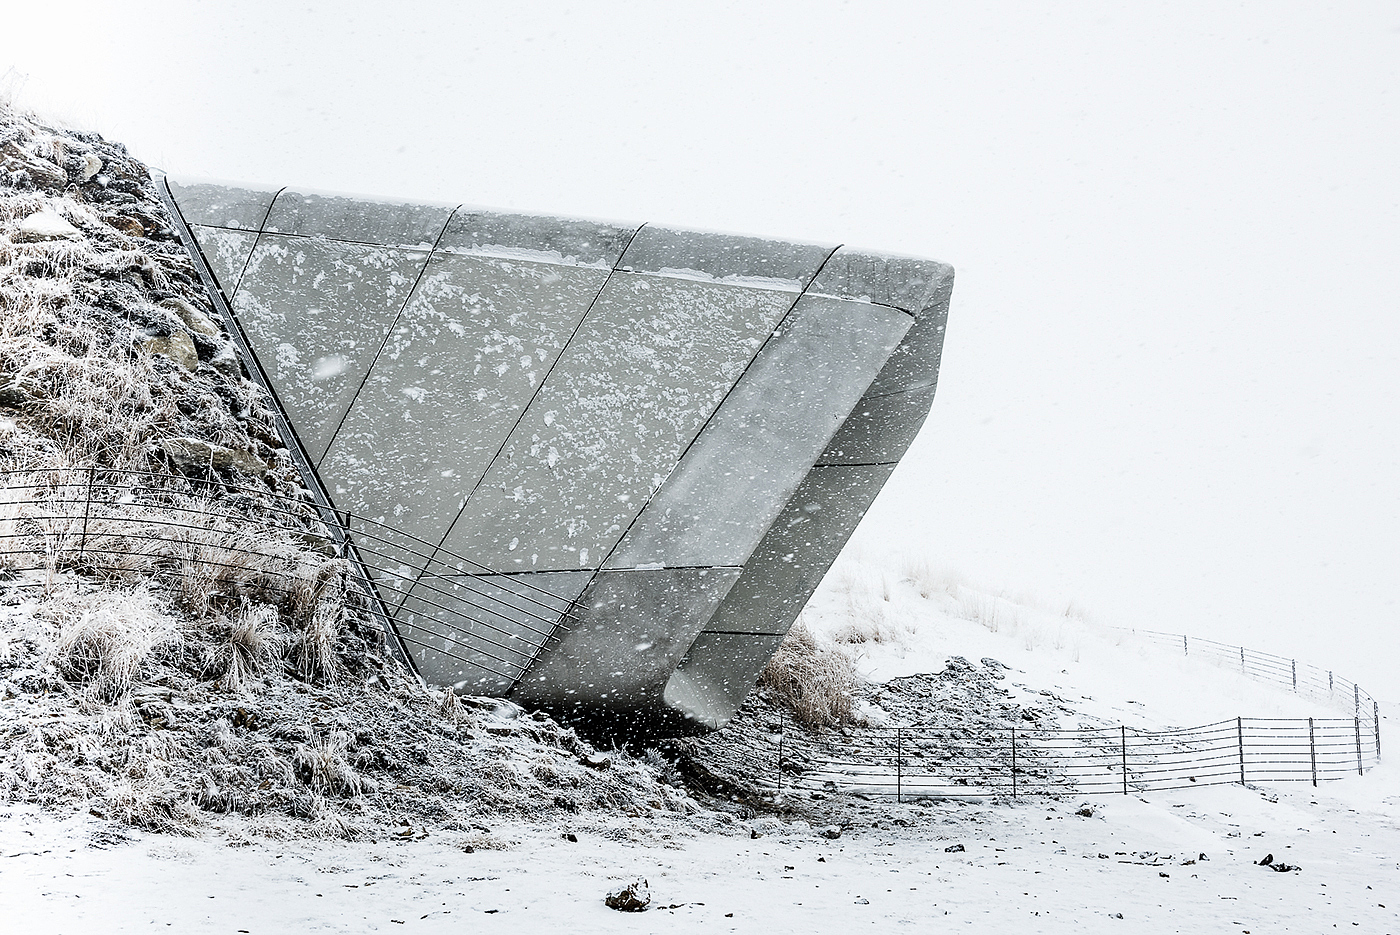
[212, 204]
[597, 467]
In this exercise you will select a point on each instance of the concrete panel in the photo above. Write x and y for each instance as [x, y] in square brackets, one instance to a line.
[316, 313]
[751, 456]
[227, 252]
[394, 559]
[357, 219]
[479, 634]
[457, 371]
[716, 676]
[650, 363]
[798, 549]
[772, 264]
[568, 241]
[213, 204]
[909, 283]
[626, 635]
[880, 429]
[914, 364]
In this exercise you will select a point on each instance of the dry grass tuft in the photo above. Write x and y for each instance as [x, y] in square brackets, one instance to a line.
[323, 765]
[817, 682]
[107, 640]
[253, 647]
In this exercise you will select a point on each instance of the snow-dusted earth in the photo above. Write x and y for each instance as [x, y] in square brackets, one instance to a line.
[1035, 866]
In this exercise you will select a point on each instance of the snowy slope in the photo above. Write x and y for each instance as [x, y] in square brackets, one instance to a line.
[1037, 866]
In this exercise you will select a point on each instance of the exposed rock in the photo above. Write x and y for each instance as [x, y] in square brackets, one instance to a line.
[13, 395]
[227, 363]
[831, 832]
[46, 225]
[178, 346]
[191, 316]
[40, 171]
[92, 164]
[634, 897]
[193, 454]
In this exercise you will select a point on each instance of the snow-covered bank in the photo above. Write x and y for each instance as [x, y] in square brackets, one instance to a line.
[1031, 868]
[900, 617]
[1036, 865]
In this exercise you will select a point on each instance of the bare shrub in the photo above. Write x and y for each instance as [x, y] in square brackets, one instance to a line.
[313, 645]
[323, 765]
[106, 640]
[253, 645]
[817, 682]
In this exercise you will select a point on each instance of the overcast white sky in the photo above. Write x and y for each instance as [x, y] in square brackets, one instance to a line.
[1169, 385]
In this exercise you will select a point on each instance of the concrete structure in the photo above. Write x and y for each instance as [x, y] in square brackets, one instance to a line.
[598, 468]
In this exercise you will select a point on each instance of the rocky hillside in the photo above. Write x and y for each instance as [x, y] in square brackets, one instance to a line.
[179, 646]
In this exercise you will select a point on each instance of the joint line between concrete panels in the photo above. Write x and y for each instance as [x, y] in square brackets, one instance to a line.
[423, 270]
[776, 328]
[533, 396]
[257, 239]
[284, 425]
[845, 464]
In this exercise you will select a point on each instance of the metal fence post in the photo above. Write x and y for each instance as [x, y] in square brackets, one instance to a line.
[1329, 682]
[1356, 699]
[1185, 651]
[1295, 674]
[898, 764]
[87, 510]
[1013, 762]
[1376, 713]
[1312, 751]
[1359, 770]
[780, 753]
[1123, 741]
[1243, 671]
[1239, 737]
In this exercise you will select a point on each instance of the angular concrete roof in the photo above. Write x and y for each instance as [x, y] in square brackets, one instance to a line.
[597, 467]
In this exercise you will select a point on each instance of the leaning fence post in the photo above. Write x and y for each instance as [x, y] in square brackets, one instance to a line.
[1123, 741]
[87, 510]
[780, 754]
[1376, 714]
[1312, 751]
[1359, 770]
[1013, 762]
[898, 764]
[1239, 737]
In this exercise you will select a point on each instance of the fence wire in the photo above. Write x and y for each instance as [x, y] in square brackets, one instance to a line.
[1306, 680]
[231, 542]
[907, 764]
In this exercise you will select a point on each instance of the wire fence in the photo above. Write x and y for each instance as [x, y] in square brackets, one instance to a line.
[905, 764]
[1306, 680]
[212, 543]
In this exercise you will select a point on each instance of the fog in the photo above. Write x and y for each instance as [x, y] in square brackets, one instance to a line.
[1169, 387]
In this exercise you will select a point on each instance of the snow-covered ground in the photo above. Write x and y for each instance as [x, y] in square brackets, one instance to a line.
[1135, 864]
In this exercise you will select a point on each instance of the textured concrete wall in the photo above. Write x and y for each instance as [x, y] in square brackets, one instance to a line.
[597, 467]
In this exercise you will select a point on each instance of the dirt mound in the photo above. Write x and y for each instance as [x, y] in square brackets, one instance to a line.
[839, 772]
